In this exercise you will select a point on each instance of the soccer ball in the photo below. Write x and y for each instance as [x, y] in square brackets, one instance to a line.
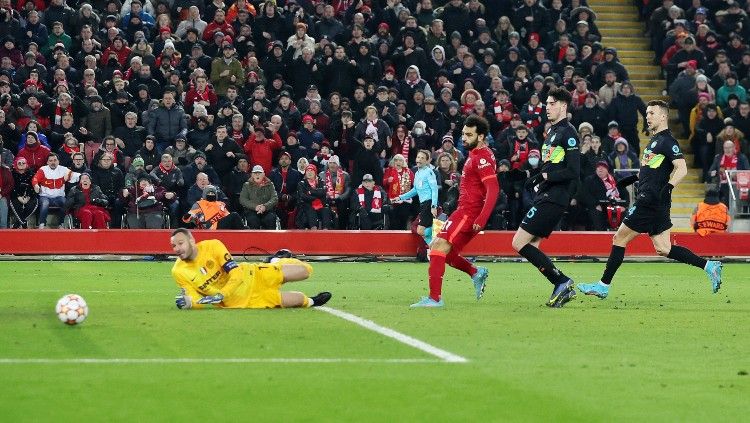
[72, 309]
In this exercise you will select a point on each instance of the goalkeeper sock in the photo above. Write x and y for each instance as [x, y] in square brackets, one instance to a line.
[460, 263]
[543, 263]
[686, 256]
[436, 272]
[616, 255]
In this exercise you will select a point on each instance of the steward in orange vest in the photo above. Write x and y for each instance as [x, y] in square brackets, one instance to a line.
[711, 215]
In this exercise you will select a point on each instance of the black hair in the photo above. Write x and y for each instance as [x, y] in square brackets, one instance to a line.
[474, 121]
[561, 94]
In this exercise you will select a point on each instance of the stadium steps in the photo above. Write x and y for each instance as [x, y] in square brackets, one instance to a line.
[618, 23]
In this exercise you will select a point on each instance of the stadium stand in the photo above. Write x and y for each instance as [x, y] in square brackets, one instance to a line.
[211, 83]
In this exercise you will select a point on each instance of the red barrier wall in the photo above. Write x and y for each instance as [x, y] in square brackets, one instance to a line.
[491, 243]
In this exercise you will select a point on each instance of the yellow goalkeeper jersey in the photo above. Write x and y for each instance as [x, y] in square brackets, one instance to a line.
[215, 271]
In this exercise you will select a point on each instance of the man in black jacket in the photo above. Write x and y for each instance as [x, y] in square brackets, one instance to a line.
[624, 109]
[112, 182]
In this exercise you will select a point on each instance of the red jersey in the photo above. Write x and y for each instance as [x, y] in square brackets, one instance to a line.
[473, 193]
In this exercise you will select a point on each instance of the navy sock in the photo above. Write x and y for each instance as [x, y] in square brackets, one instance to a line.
[613, 263]
[543, 263]
[686, 256]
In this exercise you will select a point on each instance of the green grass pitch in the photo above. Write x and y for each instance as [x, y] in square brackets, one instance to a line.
[661, 348]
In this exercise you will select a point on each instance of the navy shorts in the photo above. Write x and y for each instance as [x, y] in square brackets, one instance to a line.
[647, 220]
[542, 219]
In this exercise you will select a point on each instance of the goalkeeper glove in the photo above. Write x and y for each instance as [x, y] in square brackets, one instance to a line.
[212, 299]
[182, 300]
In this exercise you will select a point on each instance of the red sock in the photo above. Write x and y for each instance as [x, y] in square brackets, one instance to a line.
[436, 272]
[457, 262]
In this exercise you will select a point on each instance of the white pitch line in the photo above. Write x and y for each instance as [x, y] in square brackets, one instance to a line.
[398, 336]
[211, 360]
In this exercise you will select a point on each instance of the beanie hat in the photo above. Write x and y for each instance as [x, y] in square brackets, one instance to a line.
[138, 161]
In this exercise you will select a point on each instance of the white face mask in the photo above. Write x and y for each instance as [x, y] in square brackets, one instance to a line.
[534, 161]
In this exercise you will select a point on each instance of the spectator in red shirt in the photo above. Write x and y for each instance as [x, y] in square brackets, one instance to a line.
[260, 148]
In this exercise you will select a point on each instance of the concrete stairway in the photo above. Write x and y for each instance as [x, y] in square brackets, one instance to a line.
[618, 23]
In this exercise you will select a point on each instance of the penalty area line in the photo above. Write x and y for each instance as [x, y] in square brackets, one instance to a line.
[211, 360]
[445, 356]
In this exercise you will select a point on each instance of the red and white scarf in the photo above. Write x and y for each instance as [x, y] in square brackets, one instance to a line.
[377, 199]
[611, 186]
[164, 169]
[332, 190]
[536, 115]
[405, 146]
[727, 163]
[59, 112]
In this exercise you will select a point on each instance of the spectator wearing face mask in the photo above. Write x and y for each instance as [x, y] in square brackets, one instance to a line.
[211, 213]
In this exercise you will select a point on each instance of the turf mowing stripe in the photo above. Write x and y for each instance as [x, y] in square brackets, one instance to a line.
[398, 336]
[211, 360]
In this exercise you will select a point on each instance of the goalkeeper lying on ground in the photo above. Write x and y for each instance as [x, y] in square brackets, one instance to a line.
[208, 274]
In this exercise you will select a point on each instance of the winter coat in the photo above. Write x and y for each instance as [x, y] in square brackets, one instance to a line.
[167, 124]
[254, 194]
[110, 181]
[76, 198]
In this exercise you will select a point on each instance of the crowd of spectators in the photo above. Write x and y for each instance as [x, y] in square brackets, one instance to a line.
[296, 113]
[701, 46]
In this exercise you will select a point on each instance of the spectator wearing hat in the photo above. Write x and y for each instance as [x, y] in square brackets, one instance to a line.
[98, 121]
[136, 170]
[258, 199]
[483, 42]
[369, 204]
[599, 189]
[372, 125]
[119, 107]
[30, 65]
[413, 82]
[226, 70]
[435, 121]
[448, 146]
[210, 212]
[312, 210]
[10, 50]
[592, 113]
[731, 86]
[622, 157]
[308, 137]
[610, 63]
[730, 133]
[455, 16]
[689, 56]
[286, 179]
[300, 40]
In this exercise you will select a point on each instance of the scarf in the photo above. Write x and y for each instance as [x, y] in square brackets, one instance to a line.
[401, 185]
[372, 129]
[611, 186]
[316, 203]
[405, 147]
[164, 169]
[412, 83]
[284, 174]
[59, 113]
[332, 190]
[727, 163]
[535, 114]
[377, 199]
[71, 150]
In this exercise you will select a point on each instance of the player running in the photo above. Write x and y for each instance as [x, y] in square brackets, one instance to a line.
[650, 213]
[478, 193]
[207, 274]
[554, 185]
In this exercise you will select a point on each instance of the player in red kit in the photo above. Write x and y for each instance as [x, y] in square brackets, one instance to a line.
[478, 193]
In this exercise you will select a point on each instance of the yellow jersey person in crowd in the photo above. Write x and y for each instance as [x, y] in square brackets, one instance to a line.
[207, 274]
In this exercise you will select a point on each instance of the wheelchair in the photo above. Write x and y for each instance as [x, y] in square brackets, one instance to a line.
[166, 222]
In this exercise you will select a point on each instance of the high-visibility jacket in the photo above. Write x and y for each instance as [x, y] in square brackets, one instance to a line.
[710, 218]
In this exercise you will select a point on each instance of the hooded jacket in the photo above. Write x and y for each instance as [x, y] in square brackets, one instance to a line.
[254, 194]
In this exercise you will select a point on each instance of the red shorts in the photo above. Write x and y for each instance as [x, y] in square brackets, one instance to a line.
[458, 230]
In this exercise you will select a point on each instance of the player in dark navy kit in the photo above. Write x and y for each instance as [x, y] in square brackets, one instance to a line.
[554, 186]
[662, 168]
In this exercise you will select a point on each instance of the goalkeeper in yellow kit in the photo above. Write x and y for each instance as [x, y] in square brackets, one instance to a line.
[208, 274]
